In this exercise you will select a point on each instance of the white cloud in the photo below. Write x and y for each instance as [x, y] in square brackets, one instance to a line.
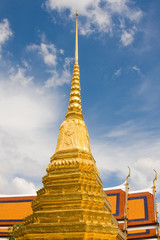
[28, 133]
[5, 32]
[21, 186]
[135, 68]
[25, 107]
[61, 51]
[121, 7]
[50, 54]
[19, 76]
[128, 145]
[122, 130]
[127, 37]
[47, 51]
[118, 72]
[58, 79]
[100, 15]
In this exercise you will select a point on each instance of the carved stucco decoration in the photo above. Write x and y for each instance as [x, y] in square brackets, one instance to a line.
[73, 134]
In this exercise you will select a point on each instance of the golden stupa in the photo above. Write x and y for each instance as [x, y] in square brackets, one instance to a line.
[72, 203]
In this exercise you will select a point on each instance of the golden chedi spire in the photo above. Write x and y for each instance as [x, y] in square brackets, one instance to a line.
[72, 203]
[73, 134]
[74, 108]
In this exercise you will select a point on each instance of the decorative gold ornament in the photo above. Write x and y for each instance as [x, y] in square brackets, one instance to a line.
[155, 203]
[126, 205]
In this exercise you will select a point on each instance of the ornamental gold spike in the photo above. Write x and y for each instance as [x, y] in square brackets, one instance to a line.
[155, 202]
[129, 174]
[155, 178]
[126, 205]
[74, 108]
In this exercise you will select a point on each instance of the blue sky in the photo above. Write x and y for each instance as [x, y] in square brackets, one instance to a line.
[119, 62]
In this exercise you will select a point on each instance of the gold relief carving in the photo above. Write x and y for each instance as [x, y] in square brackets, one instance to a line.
[73, 134]
[69, 131]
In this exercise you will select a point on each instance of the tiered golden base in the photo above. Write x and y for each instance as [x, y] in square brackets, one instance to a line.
[72, 204]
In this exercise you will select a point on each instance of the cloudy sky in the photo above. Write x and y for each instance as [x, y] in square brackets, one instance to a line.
[119, 61]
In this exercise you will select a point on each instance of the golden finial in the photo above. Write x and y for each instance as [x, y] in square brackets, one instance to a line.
[129, 174]
[74, 108]
[155, 202]
[76, 13]
[126, 205]
[155, 178]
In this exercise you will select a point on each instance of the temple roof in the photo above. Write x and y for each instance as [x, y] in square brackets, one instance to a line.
[141, 214]
[13, 209]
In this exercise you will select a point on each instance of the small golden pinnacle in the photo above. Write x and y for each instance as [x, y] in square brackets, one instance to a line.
[76, 13]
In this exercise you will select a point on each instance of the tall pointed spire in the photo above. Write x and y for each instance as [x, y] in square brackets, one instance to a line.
[76, 39]
[73, 134]
[74, 108]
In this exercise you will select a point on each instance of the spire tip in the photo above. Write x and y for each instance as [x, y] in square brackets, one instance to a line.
[155, 178]
[76, 13]
[76, 39]
[74, 108]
